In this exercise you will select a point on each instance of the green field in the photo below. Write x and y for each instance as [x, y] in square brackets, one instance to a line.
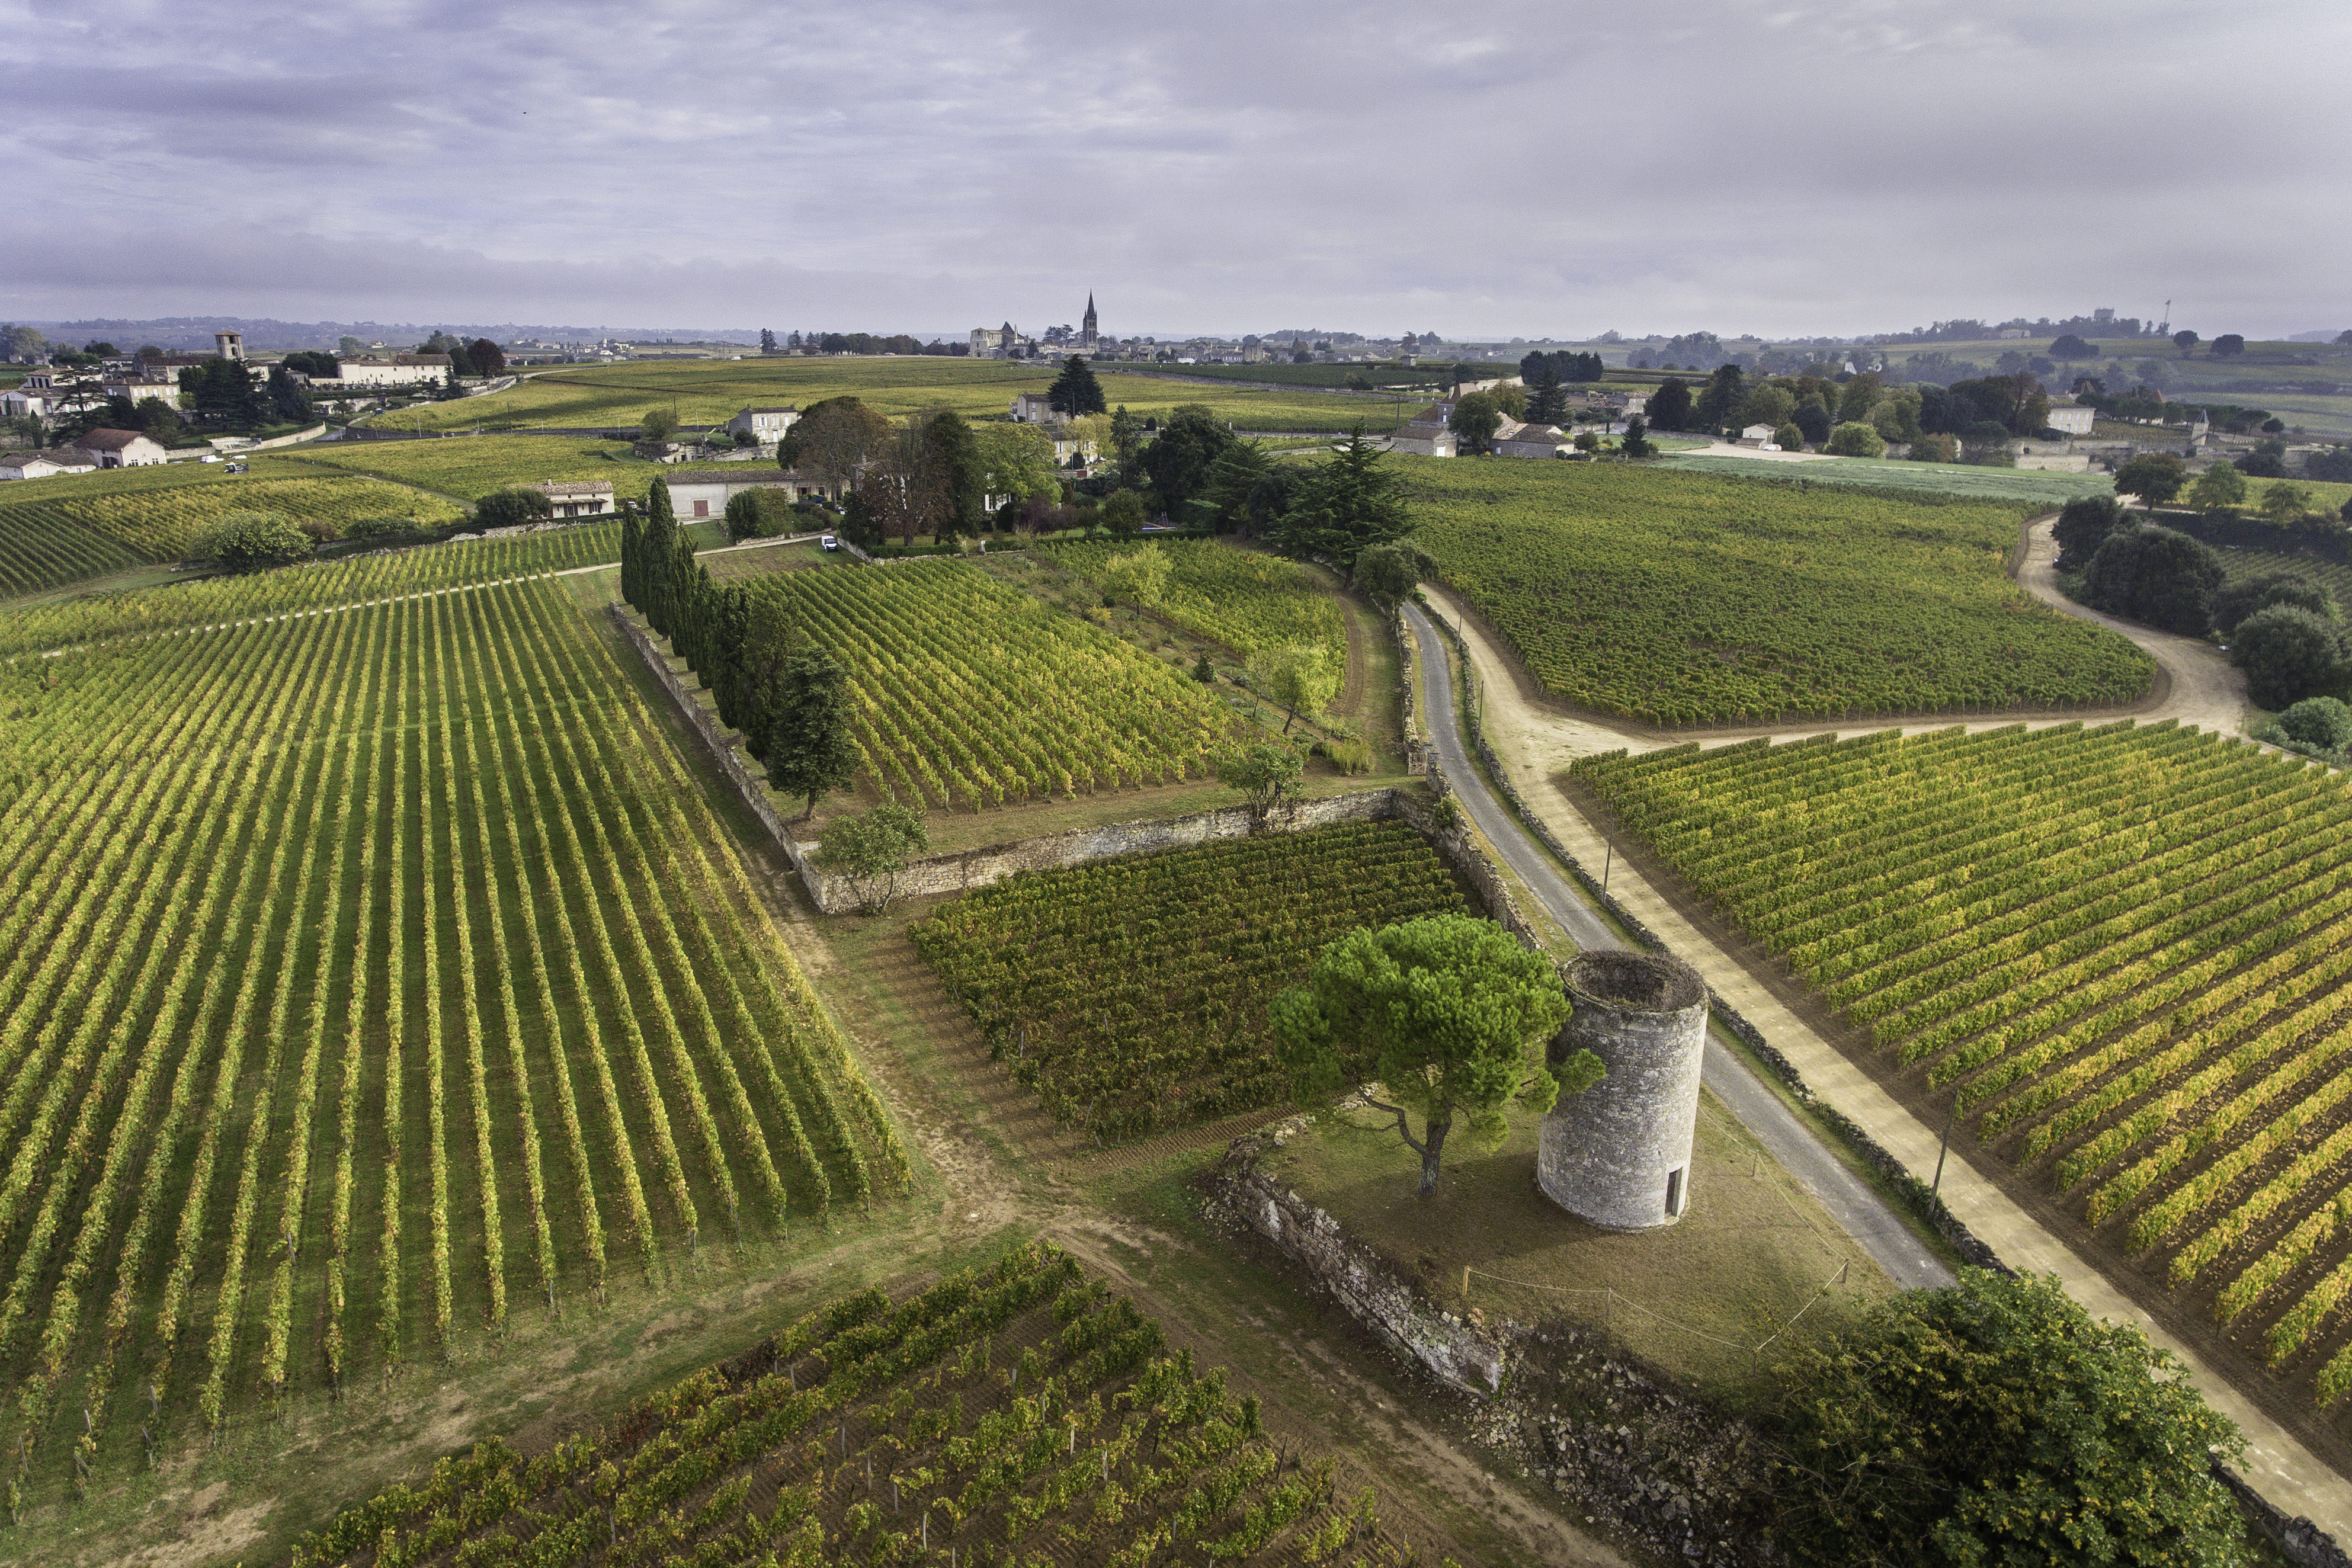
[2124, 949]
[470, 467]
[970, 693]
[1427, 378]
[706, 392]
[170, 524]
[1687, 599]
[1019, 1414]
[42, 546]
[1959, 481]
[1131, 995]
[304, 590]
[371, 977]
[1246, 599]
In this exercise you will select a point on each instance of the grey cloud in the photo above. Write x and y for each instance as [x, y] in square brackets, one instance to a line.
[1813, 167]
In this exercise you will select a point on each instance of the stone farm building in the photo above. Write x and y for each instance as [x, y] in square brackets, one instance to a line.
[1426, 437]
[121, 449]
[765, 424]
[1531, 441]
[577, 497]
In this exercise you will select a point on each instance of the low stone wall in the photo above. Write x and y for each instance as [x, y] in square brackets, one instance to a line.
[748, 777]
[1461, 1354]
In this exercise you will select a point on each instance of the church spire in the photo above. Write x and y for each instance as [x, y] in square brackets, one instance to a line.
[1087, 331]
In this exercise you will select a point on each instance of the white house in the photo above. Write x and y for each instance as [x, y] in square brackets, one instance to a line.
[576, 498]
[43, 463]
[138, 386]
[121, 449]
[1030, 408]
[765, 424]
[2072, 419]
[394, 370]
[1758, 436]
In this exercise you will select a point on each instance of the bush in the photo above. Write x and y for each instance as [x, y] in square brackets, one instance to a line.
[2288, 654]
[2084, 525]
[2238, 600]
[1788, 437]
[320, 531]
[1997, 1422]
[2322, 724]
[2155, 575]
[253, 541]
[1348, 756]
[1937, 448]
[763, 513]
[1855, 439]
[512, 509]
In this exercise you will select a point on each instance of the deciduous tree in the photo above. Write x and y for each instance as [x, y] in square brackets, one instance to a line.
[2153, 477]
[1139, 575]
[515, 508]
[2218, 489]
[2156, 575]
[1474, 422]
[1267, 771]
[1449, 1014]
[253, 541]
[1670, 405]
[2083, 526]
[1299, 676]
[873, 852]
[1855, 439]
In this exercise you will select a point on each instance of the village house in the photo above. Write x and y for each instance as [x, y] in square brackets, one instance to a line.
[2072, 419]
[48, 400]
[122, 449]
[1759, 436]
[41, 465]
[576, 498]
[1030, 408]
[765, 424]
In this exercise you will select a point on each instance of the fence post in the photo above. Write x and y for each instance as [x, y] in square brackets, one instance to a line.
[1465, 1285]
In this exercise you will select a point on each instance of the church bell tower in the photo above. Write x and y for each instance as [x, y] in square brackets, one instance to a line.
[1086, 332]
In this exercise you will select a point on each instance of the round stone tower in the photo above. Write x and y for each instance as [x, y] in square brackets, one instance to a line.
[1618, 1154]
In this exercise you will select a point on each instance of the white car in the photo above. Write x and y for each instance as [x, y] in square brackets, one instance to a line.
[828, 543]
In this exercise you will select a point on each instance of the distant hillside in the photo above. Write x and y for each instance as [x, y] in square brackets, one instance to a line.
[263, 334]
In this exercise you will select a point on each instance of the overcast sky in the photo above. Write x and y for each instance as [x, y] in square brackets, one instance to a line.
[1483, 169]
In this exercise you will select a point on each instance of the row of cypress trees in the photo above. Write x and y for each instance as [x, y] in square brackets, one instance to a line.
[788, 696]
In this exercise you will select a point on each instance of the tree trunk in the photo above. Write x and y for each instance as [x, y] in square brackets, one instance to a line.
[1432, 1145]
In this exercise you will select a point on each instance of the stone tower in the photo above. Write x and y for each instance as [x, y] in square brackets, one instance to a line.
[1618, 1154]
[1087, 331]
[230, 345]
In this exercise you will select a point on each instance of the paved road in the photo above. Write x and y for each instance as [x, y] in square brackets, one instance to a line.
[1850, 1201]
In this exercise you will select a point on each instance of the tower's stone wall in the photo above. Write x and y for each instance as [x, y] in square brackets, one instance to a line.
[1618, 1155]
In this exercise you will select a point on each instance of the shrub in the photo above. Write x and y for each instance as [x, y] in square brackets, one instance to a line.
[2238, 600]
[1937, 448]
[1789, 437]
[2156, 575]
[1123, 513]
[1955, 1426]
[2322, 724]
[512, 509]
[252, 541]
[1856, 439]
[2288, 654]
[1348, 756]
